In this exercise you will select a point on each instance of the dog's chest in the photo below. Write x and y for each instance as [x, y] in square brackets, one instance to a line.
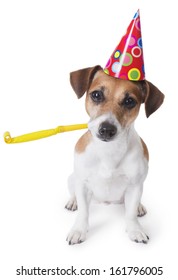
[109, 169]
[108, 181]
[107, 185]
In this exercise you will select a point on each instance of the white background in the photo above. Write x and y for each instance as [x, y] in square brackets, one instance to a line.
[40, 43]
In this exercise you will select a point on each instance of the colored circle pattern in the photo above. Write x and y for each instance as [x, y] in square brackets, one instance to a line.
[108, 63]
[132, 41]
[106, 71]
[117, 54]
[134, 74]
[136, 51]
[143, 69]
[136, 15]
[139, 42]
[116, 67]
[127, 61]
[137, 24]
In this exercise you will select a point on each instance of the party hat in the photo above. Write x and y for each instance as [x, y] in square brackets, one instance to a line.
[127, 62]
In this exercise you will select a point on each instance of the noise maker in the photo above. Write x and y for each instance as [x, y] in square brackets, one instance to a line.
[42, 134]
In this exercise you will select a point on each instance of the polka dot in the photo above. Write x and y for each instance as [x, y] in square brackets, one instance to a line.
[137, 24]
[116, 67]
[117, 54]
[108, 63]
[134, 74]
[139, 42]
[136, 15]
[136, 51]
[132, 41]
[123, 76]
[106, 71]
[143, 69]
[127, 59]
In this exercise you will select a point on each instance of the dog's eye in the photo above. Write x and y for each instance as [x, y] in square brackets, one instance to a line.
[97, 96]
[129, 102]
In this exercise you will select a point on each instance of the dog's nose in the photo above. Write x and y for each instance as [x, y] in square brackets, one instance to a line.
[107, 131]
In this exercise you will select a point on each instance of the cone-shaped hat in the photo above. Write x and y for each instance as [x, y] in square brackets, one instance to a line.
[127, 62]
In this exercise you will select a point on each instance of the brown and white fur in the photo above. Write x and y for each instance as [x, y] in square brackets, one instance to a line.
[111, 160]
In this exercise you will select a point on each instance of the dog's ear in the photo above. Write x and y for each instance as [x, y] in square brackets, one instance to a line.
[81, 79]
[152, 97]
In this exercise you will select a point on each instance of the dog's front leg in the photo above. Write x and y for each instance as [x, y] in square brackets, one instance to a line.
[79, 229]
[133, 227]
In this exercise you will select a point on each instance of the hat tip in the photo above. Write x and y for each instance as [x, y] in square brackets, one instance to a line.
[137, 14]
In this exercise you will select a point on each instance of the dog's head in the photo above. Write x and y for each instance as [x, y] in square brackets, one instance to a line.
[113, 104]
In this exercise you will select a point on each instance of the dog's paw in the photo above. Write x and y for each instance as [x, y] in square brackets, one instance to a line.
[76, 237]
[141, 210]
[71, 204]
[138, 236]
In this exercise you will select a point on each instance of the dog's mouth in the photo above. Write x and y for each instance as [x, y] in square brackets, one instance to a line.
[106, 131]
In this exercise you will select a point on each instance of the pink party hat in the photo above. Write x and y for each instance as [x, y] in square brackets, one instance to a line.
[127, 62]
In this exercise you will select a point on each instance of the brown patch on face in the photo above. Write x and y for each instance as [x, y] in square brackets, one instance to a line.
[145, 149]
[83, 142]
[114, 91]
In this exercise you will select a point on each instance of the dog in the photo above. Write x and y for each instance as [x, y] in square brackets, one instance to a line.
[110, 160]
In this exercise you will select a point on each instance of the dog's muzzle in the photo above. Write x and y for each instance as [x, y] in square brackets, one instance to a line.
[107, 131]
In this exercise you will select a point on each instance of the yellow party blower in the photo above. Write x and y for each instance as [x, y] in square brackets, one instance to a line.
[42, 134]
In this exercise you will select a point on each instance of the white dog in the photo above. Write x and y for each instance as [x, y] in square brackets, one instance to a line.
[111, 160]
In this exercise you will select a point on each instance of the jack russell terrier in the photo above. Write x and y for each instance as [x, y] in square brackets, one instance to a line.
[111, 160]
